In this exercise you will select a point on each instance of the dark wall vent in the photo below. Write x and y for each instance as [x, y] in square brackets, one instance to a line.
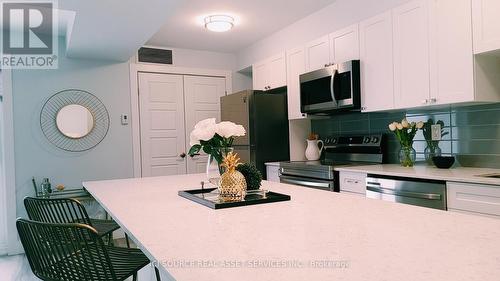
[153, 55]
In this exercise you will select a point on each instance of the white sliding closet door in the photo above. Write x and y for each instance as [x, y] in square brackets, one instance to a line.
[202, 96]
[161, 106]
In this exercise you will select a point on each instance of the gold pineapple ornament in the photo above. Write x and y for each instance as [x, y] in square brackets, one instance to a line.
[233, 185]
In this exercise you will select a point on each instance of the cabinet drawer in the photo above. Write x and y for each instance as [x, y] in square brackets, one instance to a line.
[484, 199]
[272, 173]
[352, 182]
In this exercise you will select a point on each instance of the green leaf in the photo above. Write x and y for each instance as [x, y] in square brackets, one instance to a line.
[195, 149]
[207, 149]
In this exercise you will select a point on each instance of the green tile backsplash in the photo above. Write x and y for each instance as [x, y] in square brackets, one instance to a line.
[474, 131]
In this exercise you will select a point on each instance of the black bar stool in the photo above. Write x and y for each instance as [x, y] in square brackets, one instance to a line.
[75, 252]
[66, 210]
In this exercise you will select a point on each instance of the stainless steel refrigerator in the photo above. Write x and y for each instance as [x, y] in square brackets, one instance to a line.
[264, 115]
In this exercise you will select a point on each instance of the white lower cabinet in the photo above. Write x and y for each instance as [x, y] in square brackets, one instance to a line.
[353, 183]
[474, 198]
[273, 172]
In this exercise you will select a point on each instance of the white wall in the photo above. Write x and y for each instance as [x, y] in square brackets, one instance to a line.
[331, 18]
[109, 81]
[35, 156]
[3, 205]
[211, 60]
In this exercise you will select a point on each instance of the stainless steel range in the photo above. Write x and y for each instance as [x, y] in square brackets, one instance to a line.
[338, 151]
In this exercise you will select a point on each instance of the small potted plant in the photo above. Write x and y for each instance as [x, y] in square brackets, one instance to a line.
[405, 133]
[252, 175]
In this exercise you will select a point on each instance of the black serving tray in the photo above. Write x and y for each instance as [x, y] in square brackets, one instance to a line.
[210, 197]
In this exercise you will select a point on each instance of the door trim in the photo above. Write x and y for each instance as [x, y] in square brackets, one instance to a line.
[135, 68]
[13, 243]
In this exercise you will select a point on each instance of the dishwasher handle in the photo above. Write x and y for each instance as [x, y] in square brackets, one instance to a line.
[306, 183]
[375, 187]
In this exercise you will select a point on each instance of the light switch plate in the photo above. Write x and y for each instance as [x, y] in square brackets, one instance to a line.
[124, 119]
[436, 132]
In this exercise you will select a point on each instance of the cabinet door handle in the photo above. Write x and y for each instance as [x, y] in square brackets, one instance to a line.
[433, 100]
[426, 101]
[352, 181]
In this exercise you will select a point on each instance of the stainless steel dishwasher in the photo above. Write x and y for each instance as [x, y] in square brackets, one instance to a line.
[419, 192]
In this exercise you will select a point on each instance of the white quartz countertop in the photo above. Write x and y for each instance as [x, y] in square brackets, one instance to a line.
[318, 235]
[459, 174]
[272, 164]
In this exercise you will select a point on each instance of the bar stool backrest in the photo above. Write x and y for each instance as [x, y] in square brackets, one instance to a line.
[65, 252]
[64, 210]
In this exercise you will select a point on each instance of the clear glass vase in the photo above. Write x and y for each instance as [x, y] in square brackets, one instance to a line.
[214, 169]
[407, 156]
[431, 151]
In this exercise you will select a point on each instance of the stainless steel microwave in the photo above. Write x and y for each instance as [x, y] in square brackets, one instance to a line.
[333, 88]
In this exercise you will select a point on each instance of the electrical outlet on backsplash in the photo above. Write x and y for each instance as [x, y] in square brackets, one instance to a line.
[473, 132]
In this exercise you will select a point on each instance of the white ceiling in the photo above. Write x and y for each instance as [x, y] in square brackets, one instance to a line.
[113, 29]
[255, 19]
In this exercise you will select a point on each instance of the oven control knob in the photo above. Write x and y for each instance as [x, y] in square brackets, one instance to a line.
[328, 140]
[367, 140]
[334, 141]
[375, 140]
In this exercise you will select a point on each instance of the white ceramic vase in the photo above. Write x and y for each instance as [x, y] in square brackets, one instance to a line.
[313, 150]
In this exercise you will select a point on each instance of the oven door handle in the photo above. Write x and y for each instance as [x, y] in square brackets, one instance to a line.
[306, 183]
[332, 84]
[427, 196]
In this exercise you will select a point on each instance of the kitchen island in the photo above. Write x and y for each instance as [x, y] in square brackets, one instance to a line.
[318, 235]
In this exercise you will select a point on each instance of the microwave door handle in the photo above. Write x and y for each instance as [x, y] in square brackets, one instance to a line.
[332, 85]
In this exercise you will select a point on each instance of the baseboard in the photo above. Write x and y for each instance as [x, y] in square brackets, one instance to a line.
[15, 249]
[3, 248]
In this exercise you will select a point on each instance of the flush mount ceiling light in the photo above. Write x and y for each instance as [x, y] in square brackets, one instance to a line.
[219, 23]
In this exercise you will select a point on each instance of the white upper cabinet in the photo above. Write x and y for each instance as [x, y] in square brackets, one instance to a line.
[451, 55]
[344, 44]
[270, 73]
[277, 71]
[486, 22]
[260, 74]
[377, 81]
[411, 54]
[296, 65]
[317, 54]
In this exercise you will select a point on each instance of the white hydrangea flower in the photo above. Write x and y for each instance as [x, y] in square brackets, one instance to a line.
[203, 130]
[193, 139]
[228, 129]
[206, 123]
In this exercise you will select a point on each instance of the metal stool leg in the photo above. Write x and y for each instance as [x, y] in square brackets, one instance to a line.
[128, 241]
[157, 272]
[110, 239]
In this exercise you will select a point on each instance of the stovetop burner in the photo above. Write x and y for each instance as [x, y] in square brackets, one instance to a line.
[338, 151]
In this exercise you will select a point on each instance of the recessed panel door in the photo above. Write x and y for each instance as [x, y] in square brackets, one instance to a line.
[202, 99]
[161, 105]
